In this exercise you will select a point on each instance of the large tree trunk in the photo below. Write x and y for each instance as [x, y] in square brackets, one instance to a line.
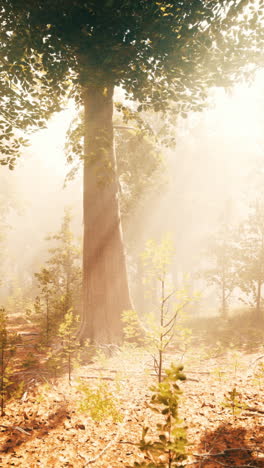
[105, 286]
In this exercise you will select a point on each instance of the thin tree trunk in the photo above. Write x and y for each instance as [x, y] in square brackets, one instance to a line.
[258, 299]
[161, 332]
[105, 286]
[47, 320]
[224, 300]
[224, 303]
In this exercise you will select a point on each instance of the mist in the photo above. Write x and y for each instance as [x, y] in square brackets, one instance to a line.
[214, 171]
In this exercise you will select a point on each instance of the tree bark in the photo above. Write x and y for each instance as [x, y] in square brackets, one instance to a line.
[105, 285]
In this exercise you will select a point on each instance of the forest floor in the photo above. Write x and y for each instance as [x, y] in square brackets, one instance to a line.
[46, 428]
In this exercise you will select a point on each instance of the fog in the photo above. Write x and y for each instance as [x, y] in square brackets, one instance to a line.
[214, 172]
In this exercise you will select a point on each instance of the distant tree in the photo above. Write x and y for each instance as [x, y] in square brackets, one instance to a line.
[223, 269]
[59, 281]
[251, 258]
[8, 202]
[159, 52]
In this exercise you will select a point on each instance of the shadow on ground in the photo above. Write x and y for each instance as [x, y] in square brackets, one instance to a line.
[230, 446]
[31, 429]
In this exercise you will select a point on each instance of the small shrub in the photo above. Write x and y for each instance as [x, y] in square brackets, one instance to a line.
[67, 356]
[168, 449]
[163, 325]
[99, 402]
[258, 377]
[234, 401]
[219, 373]
[133, 330]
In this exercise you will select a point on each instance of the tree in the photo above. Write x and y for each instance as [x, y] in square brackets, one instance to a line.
[69, 347]
[158, 51]
[167, 302]
[163, 324]
[224, 272]
[59, 281]
[251, 257]
[8, 202]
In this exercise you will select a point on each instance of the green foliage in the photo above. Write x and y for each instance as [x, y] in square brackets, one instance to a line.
[168, 449]
[54, 365]
[258, 376]
[224, 270]
[133, 332]
[99, 402]
[251, 257]
[239, 331]
[234, 401]
[157, 259]
[236, 361]
[69, 344]
[18, 302]
[163, 327]
[19, 390]
[138, 176]
[158, 52]
[238, 255]
[59, 282]
[8, 343]
[68, 353]
[6, 202]
[220, 373]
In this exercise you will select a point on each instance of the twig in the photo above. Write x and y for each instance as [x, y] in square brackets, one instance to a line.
[219, 463]
[256, 360]
[256, 410]
[110, 443]
[122, 127]
[225, 451]
[105, 369]
[53, 386]
[15, 428]
[237, 466]
[97, 377]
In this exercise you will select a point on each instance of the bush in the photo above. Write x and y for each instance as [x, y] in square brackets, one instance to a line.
[99, 402]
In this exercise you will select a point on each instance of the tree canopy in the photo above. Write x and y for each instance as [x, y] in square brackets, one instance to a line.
[157, 50]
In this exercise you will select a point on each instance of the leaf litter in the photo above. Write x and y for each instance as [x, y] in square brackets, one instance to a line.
[46, 429]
